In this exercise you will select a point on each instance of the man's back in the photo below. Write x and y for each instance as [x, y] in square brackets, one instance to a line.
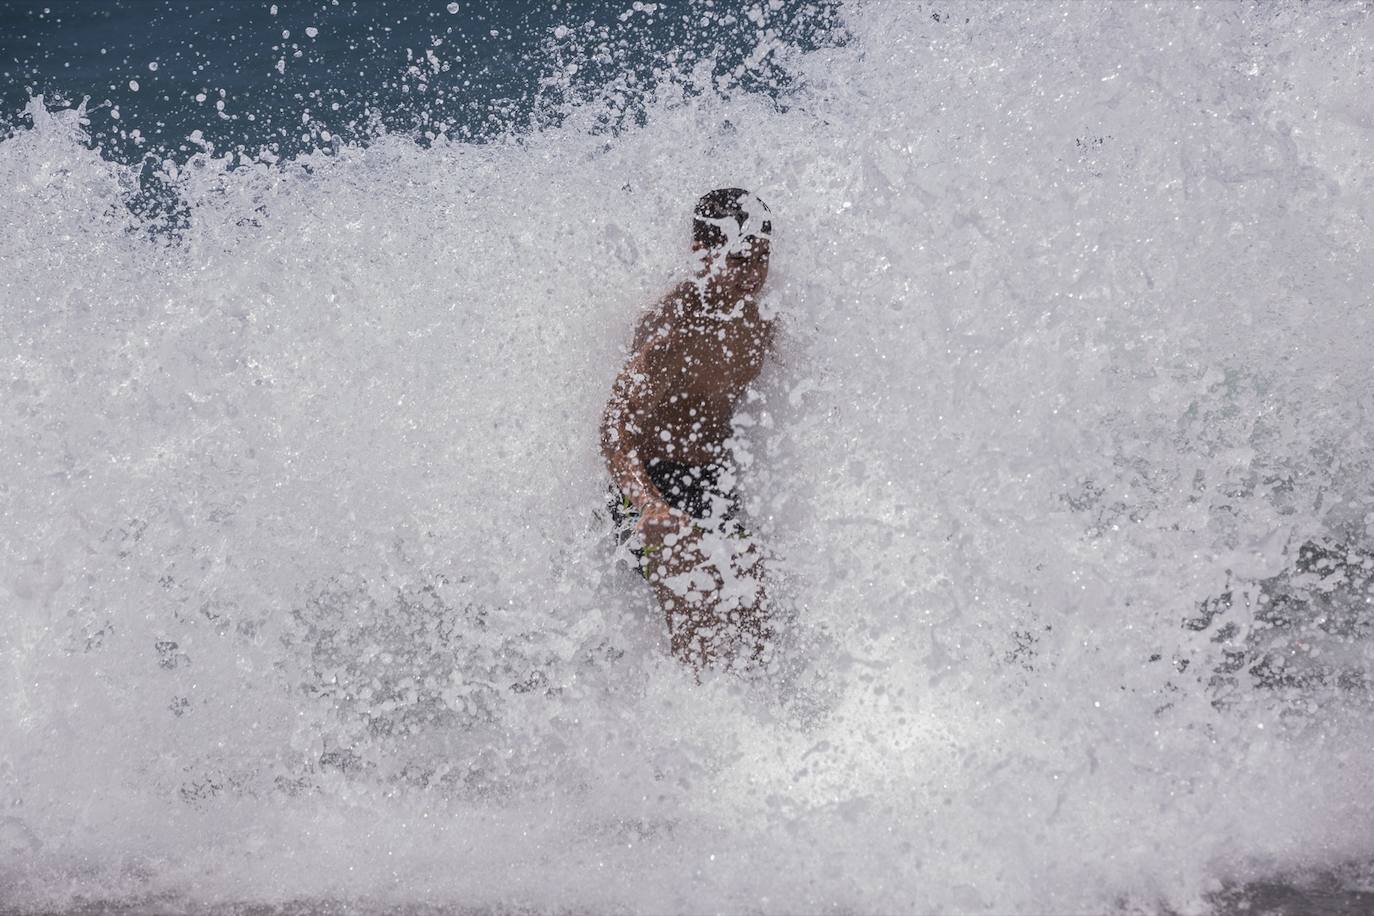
[707, 355]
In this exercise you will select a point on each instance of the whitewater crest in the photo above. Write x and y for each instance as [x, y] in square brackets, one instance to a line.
[1065, 462]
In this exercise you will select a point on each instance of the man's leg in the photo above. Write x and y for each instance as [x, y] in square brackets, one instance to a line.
[711, 589]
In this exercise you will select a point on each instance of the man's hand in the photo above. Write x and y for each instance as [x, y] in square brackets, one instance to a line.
[658, 520]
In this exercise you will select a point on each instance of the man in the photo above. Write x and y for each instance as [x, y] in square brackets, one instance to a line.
[666, 430]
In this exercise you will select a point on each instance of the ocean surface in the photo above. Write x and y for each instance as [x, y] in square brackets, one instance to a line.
[308, 313]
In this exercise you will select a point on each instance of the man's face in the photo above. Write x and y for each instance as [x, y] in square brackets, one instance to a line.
[745, 270]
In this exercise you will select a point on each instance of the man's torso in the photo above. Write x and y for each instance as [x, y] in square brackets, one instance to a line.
[710, 363]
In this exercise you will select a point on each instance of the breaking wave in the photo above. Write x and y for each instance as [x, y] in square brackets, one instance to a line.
[1065, 462]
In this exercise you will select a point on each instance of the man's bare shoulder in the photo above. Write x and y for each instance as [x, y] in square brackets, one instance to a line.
[660, 320]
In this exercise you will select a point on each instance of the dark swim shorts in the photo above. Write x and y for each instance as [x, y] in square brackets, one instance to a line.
[694, 489]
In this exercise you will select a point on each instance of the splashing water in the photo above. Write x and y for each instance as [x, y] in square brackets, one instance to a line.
[1065, 462]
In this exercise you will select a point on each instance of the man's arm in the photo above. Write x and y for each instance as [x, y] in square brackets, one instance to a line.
[632, 395]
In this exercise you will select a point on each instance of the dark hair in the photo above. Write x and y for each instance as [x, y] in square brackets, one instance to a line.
[728, 202]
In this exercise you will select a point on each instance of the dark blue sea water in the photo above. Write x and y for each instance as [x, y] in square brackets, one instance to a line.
[300, 74]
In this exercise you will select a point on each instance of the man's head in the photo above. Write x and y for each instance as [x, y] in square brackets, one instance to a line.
[731, 231]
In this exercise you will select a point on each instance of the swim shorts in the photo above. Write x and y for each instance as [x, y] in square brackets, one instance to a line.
[693, 489]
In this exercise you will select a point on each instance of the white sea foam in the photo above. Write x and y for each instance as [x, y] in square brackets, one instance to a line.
[303, 597]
